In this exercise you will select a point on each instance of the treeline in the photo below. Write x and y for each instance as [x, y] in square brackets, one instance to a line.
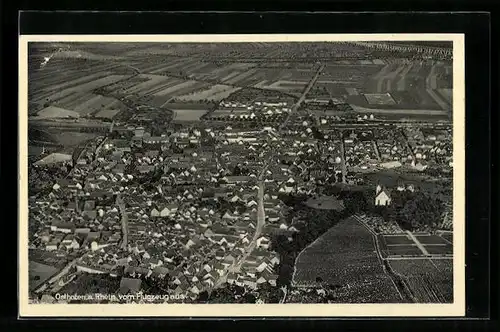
[414, 211]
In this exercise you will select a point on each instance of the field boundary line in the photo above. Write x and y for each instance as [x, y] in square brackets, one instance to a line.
[417, 242]
[300, 253]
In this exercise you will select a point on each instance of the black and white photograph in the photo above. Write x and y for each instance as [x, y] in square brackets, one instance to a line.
[272, 174]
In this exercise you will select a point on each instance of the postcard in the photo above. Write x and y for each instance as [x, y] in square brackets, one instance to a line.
[268, 175]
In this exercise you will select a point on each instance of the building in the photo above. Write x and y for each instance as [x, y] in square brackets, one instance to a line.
[382, 196]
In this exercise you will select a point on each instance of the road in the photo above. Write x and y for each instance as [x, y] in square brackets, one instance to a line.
[261, 220]
[124, 221]
[65, 270]
[285, 293]
[342, 155]
[408, 145]
[261, 216]
[302, 97]
[292, 110]
[417, 242]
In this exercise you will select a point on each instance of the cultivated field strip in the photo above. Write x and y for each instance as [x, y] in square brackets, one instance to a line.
[240, 77]
[170, 82]
[214, 92]
[85, 87]
[74, 99]
[152, 81]
[96, 103]
[188, 85]
[76, 82]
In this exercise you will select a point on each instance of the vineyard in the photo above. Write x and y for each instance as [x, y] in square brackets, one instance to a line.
[344, 256]
[429, 281]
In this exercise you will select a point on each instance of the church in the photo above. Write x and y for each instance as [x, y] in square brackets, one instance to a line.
[382, 196]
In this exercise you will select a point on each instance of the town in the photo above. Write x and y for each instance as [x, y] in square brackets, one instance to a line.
[240, 190]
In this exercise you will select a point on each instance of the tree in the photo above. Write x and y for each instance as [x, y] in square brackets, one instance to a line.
[203, 296]
[270, 294]
[422, 211]
[237, 171]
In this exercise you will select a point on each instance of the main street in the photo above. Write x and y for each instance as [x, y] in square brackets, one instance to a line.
[261, 218]
[261, 215]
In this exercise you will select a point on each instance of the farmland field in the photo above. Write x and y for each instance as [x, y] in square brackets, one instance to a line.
[399, 112]
[344, 255]
[73, 138]
[216, 92]
[427, 280]
[56, 112]
[151, 81]
[448, 237]
[107, 113]
[180, 89]
[439, 249]
[398, 245]
[188, 115]
[398, 240]
[410, 250]
[80, 89]
[431, 239]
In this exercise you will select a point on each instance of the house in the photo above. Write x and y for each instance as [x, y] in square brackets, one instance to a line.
[382, 196]
[231, 278]
[263, 242]
[155, 213]
[251, 203]
[261, 267]
[250, 281]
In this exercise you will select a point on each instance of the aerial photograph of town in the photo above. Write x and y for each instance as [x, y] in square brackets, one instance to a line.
[240, 172]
